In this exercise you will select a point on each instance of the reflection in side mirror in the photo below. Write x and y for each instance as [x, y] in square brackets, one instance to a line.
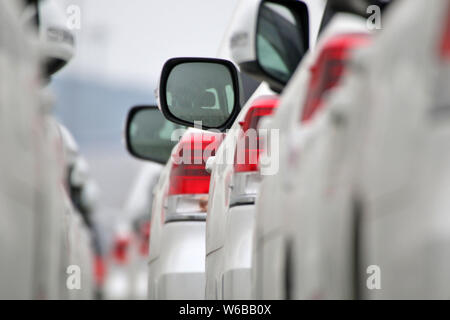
[281, 39]
[148, 134]
[200, 90]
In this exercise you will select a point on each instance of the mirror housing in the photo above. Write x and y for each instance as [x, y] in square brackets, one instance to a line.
[57, 41]
[148, 134]
[200, 89]
[210, 163]
[255, 24]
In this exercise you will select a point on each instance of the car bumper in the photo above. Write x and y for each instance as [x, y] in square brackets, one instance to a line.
[182, 286]
[179, 271]
[238, 252]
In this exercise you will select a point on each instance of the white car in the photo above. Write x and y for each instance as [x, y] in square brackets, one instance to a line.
[268, 255]
[374, 215]
[19, 181]
[234, 186]
[403, 161]
[351, 238]
[32, 171]
[287, 261]
[127, 271]
[78, 249]
[366, 174]
[176, 261]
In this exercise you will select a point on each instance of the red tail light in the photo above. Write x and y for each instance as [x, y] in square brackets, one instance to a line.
[99, 270]
[445, 43]
[329, 69]
[247, 151]
[246, 177]
[188, 174]
[145, 238]
[121, 249]
[189, 182]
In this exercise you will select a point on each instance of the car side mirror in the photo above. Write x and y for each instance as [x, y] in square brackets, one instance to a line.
[200, 92]
[271, 47]
[57, 40]
[148, 134]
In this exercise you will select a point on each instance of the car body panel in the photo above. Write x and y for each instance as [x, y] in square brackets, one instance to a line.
[283, 192]
[404, 166]
[177, 248]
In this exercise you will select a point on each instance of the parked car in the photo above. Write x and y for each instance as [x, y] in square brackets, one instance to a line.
[77, 236]
[234, 185]
[84, 193]
[180, 200]
[127, 272]
[402, 161]
[286, 259]
[363, 170]
[33, 149]
[363, 224]
[275, 63]
[219, 76]
[22, 126]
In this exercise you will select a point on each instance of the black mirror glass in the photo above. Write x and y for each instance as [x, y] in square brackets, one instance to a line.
[200, 92]
[281, 39]
[149, 134]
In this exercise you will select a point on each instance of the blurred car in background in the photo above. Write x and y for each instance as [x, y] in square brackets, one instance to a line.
[327, 222]
[79, 246]
[84, 193]
[282, 33]
[317, 73]
[23, 141]
[373, 203]
[320, 72]
[33, 151]
[51, 233]
[297, 268]
[37, 209]
[361, 169]
[232, 195]
[401, 184]
[127, 273]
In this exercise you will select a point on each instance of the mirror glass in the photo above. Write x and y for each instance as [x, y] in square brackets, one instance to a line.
[201, 91]
[149, 135]
[279, 42]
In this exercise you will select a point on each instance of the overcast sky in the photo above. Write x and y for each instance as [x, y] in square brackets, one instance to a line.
[129, 40]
